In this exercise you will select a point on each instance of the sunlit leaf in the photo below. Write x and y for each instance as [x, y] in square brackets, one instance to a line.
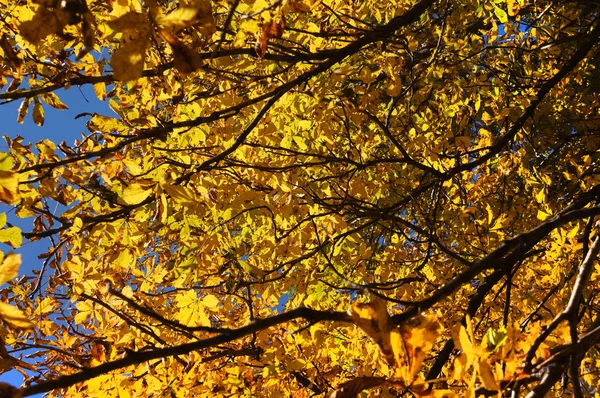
[9, 187]
[135, 193]
[14, 317]
[12, 236]
[9, 267]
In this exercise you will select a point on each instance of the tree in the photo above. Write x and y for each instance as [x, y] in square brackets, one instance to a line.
[306, 198]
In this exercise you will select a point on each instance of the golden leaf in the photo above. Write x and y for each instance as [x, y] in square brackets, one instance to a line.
[128, 61]
[43, 23]
[53, 100]
[487, 376]
[14, 317]
[9, 187]
[179, 18]
[12, 236]
[374, 320]
[418, 339]
[9, 267]
[500, 14]
[135, 194]
[181, 195]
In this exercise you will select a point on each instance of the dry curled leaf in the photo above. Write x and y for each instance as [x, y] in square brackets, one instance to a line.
[273, 29]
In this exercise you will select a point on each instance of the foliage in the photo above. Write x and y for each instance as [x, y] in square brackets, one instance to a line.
[433, 166]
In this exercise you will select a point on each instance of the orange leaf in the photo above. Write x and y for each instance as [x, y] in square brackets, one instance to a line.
[374, 320]
[269, 30]
[418, 338]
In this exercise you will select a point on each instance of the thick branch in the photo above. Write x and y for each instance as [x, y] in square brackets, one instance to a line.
[138, 357]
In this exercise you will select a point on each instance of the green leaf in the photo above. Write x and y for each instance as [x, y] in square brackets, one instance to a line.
[500, 14]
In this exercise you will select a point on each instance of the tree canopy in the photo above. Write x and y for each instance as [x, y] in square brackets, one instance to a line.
[304, 198]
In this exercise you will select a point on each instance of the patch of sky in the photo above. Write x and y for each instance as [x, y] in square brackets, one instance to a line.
[58, 126]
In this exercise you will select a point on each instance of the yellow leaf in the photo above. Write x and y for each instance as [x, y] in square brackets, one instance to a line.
[494, 339]
[100, 91]
[43, 23]
[38, 112]
[12, 236]
[512, 7]
[125, 260]
[296, 364]
[9, 267]
[181, 195]
[374, 320]
[210, 301]
[500, 14]
[251, 269]
[179, 18]
[573, 232]
[9, 187]
[55, 102]
[14, 317]
[419, 338]
[135, 194]
[6, 162]
[128, 61]
[196, 13]
[400, 354]
[487, 376]
[490, 213]
[546, 179]
[542, 215]
[365, 75]
[352, 388]
[434, 393]
[540, 197]
[130, 21]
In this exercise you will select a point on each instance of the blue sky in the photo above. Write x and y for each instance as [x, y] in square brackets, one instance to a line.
[58, 126]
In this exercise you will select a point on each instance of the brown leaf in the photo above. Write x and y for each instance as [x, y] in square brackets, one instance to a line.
[9, 187]
[10, 53]
[298, 6]
[89, 34]
[274, 28]
[185, 59]
[261, 45]
[38, 111]
[418, 339]
[23, 109]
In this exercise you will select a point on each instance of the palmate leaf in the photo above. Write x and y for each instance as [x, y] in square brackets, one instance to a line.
[404, 347]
